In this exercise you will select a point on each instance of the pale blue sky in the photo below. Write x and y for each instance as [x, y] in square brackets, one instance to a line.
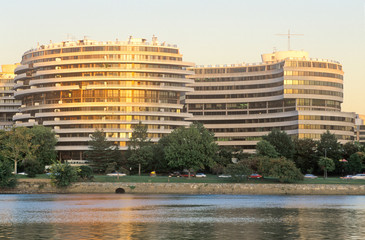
[206, 31]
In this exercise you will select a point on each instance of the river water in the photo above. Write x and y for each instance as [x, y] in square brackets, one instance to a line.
[112, 216]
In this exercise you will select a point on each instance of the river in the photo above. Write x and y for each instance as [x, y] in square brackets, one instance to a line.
[127, 216]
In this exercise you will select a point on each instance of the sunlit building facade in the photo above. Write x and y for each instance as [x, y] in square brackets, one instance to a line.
[8, 105]
[76, 87]
[360, 128]
[289, 91]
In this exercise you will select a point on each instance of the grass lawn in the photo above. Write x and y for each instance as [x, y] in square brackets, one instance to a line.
[161, 179]
[216, 179]
[209, 179]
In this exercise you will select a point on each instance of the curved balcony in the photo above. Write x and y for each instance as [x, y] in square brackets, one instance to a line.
[104, 78]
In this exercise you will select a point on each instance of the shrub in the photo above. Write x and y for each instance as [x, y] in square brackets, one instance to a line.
[239, 171]
[285, 170]
[85, 173]
[7, 179]
[63, 174]
[32, 167]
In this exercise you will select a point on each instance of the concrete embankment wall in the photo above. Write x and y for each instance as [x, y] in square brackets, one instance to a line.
[45, 186]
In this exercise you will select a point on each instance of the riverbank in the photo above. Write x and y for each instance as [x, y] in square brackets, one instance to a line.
[35, 186]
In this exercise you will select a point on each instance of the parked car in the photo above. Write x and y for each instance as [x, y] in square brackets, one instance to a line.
[200, 175]
[359, 176]
[224, 176]
[186, 174]
[255, 175]
[175, 174]
[116, 174]
[310, 176]
[347, 177]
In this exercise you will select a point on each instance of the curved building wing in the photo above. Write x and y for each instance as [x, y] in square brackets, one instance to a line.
[289, 91]
[79, 86]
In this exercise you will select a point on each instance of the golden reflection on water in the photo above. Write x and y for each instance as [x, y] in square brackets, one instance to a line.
[180, 217]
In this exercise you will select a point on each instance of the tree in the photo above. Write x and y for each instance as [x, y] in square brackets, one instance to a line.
[32, 167]
[101, 151]
[7, 179]
[350, 148]
[285, 170]
[328, 146]
[281, 168]
[139, 136]
[192, 148]
[238, 171]
[354, 163]
[305, 156]
[264, 148]
[140, 152]
[159, 162]
[282, 142]
[18, 146]
[222, 159]
[326, 164]
[140, 158]
[45, 139]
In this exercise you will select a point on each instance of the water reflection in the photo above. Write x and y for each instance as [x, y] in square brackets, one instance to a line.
[106, 216]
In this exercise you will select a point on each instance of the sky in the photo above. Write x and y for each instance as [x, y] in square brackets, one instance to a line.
[206, 31]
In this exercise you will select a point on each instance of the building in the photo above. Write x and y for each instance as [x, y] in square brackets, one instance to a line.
[76, 87]
[289, 91]
[8, 105]
[360, 128]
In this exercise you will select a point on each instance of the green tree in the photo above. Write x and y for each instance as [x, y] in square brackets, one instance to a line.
[140, 151]
[192, 148]
[281, 168]
[45, 139]
[326, 164]
[32, 167]
[159, 162]
[139, 136]
[282, 142]
[63, 174]
[354, 163]
[101, 151]
[18, 146]
[140, 158]
[350, 148]
[285, 170]
[238, 171]
[328, 146]
[222, 159]
[305, 156]
[7, 179]
[264, 148]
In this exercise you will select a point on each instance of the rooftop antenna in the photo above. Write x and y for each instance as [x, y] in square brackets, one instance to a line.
[289, 34]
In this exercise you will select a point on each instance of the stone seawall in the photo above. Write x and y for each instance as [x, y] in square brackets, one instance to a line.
[26, 186]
